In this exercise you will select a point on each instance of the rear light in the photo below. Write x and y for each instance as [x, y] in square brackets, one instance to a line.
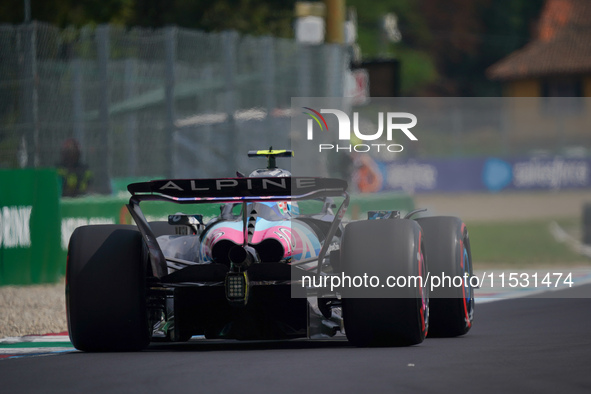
[237, 288]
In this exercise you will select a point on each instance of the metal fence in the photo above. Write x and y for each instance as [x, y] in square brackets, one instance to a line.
[182, 103]
[165, 102]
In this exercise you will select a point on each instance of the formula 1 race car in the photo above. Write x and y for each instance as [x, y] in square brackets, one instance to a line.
[266, 267]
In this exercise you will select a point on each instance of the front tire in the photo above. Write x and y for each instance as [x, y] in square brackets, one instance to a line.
[106, 289]
[385, 248]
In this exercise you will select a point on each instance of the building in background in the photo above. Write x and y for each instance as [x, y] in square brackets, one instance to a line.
[554, 69]
[557, 62]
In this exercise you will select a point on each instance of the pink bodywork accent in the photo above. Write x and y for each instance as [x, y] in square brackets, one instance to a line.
[293, 238]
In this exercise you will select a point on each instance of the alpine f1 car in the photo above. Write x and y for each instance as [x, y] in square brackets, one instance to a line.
[256, 271]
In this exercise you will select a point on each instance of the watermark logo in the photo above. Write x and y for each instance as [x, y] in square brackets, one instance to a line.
[392, 120]
[314, 116]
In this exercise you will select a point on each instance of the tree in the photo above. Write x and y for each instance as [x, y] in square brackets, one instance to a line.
[246, 16]
[447, 44]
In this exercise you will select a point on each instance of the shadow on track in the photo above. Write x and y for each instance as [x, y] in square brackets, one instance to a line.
[215, 345]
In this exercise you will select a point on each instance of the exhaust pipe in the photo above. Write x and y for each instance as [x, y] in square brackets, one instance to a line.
[242, 256]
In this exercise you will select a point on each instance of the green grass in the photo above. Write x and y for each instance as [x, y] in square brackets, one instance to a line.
[522, 244]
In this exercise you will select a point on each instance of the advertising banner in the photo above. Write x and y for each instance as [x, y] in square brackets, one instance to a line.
[479, 174]
[29, 227]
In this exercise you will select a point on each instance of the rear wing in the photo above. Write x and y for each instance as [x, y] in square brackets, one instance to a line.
[191, 191]
[231, 190]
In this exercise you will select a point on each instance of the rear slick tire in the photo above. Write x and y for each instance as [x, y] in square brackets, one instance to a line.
[106, 289]
[387, 247]
[447, 248]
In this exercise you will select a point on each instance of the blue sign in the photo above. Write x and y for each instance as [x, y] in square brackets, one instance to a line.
[480, 174]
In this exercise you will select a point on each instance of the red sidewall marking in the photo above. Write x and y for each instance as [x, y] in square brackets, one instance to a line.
[466, 314]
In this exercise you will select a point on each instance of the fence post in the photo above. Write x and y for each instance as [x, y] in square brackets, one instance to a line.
[268, 68]
[334, 70]
[170, 53]
[78, 103]
[229, 40]
[103, 172]
[131, 118]
[30, 111]
[304, 74]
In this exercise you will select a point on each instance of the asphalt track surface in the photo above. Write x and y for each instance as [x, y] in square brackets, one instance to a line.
[519, 345]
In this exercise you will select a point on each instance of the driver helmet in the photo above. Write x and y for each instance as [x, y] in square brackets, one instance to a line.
[283, 209]
[266, 172]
